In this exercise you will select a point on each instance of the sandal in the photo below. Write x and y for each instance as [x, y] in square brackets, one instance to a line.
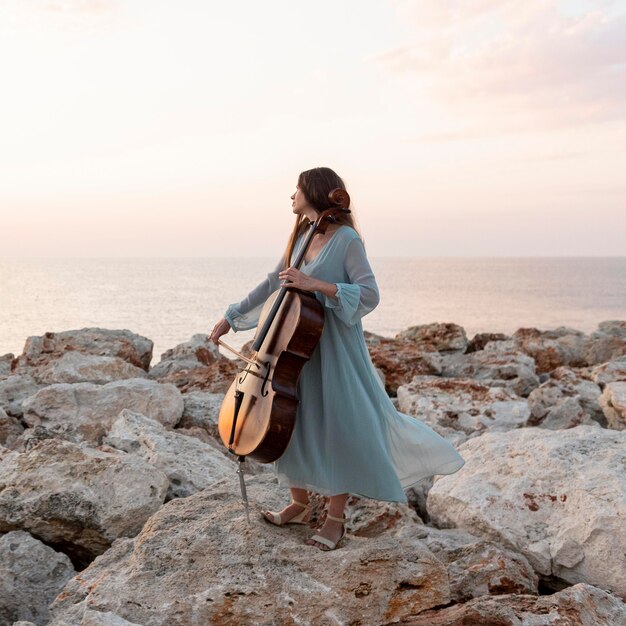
[296, 519]
[327, 542]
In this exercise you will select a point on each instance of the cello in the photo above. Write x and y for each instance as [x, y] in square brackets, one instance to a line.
[258, 414]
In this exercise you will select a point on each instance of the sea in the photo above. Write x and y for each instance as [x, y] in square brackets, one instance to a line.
[170, 299]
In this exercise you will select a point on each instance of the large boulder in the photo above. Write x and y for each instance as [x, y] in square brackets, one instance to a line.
[6, 361]
[189, 464]
[499, 364]
[10, 429]
[77, 499]
[462, 408]
[78, 367]
[437, 337]
[196, 365]
[197, 560]
[31, 576]
[14, 390]
[579, 605]
[477, 567]
[552, 348]
[568, 398]
[202, 409]
[91, 409]
[609, 372]
[558, 497]
[128, 346]
[613, 403]
[607, 343]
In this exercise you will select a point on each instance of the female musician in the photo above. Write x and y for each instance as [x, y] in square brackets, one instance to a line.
[348, 437]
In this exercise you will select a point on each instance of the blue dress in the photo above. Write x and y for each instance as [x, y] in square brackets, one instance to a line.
[348, 437]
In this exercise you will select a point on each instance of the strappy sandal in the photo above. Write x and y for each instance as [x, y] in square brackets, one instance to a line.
[327, 542]
[296, 519]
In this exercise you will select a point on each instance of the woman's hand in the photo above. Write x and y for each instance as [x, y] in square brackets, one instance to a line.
[292, 277]
[221, 328]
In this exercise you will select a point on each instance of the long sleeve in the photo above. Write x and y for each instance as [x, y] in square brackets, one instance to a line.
[245, 315]
[360, 295]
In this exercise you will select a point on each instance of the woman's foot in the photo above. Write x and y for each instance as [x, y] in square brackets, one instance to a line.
[332, 530]
[290, 512]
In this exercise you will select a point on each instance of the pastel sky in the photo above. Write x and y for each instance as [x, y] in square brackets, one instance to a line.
[160, 128]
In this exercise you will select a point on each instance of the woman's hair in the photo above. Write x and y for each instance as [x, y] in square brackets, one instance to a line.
[315, 185]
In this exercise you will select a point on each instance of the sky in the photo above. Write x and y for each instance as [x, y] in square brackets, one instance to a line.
[152, 128]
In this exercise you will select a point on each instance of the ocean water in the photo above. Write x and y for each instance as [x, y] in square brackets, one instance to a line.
[169, 300]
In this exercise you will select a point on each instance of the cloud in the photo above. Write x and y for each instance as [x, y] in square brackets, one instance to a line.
[515, 64]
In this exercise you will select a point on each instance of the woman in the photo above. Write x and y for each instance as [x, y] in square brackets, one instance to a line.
[348, 437]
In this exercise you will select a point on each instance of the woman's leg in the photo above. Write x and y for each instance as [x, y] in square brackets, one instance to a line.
[291, 510]
[332, 529]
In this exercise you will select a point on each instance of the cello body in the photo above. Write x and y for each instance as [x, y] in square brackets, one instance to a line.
[266, 419]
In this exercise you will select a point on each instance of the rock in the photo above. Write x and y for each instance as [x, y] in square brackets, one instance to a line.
[580, 605]
[499, 364]
[463, 405]
[91, 409]
[607, 343]
[399, 360]
[189, 464]
[128, 346]
[77, 499]
[437, 337]
[6, 360]
[31, 576]
[610, 372]
[14, 390]
[197, 561]
[77, 367]
[565, 400]
[10, 429]
[613, 403]
[552, 348]
[95, 618]
[480, 340]
[196, 365]
[202, 409]
[558, 497]
[477, 567]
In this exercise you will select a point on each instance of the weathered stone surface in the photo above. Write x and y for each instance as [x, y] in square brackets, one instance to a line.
[14, 390]
[5, 365]
[461, 408]
[613, 403]
[477, 567]
[610, 372]
[499, 364]
[202, 409]
[78, 367]
[31, 576]
[189, 464]
[437, 337]
[91, 409]
[607, 343]
[558, 497]
[78, 499]
[399, 360]
[197, 561]
[552, 348]
[196, 365]
[126, 345]
[10, 429]
[565, 400]
[580, 605]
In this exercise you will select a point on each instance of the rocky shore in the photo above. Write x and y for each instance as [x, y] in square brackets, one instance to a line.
[120, 506]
